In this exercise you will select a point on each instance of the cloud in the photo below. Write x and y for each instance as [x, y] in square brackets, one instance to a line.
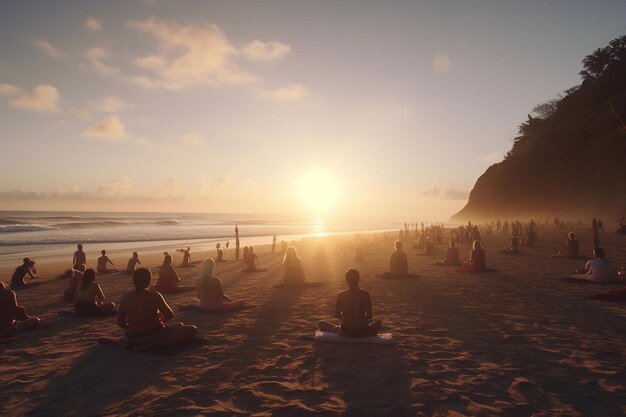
[292, 92]
[265, 51]
[111, 105]
[79, 114]
[121, 187]
[93, 24]
[450, 193]
[172, 189]
[8, 90]
[441, 63]
[191, 139]
[111, 127]
[48, 48]
[188, 55]
[44, 98]
[95, 57]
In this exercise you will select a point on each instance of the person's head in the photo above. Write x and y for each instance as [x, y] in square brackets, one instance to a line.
[290, 254]
[598, 253]
[26, 260]
[188, 248]
[207, 268]
[476, 245]
[141, 279]
[135, 255]
[103, 252]
[167, 260]
[352, 278]
[80, 247]
[571, 235]
[452, 243]
[398, 245]
[88, 277]
[31, 263]
[251, 249]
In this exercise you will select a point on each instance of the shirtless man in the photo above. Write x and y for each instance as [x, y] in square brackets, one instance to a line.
[132, 263]
[80, 258]
[102, 264]
[13, 318]
[354, 309]
[142, 315]
[398, 263]
[27, 268]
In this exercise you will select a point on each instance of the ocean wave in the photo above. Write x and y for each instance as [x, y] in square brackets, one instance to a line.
[86, 225]
[12, 228]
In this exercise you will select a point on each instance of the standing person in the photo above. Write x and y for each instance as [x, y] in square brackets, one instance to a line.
[103, 261]
[294, 272]
[132, 263]
[90, 298]
[13, 317]
[236, 242]
[80, 258]
[353, 308]
[142, 315]
[274, 244]
[27, 268]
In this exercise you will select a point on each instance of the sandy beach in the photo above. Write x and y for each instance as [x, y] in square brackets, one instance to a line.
[519, 341]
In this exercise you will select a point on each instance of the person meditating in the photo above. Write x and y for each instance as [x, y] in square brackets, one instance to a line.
[74, 277]
[452, 255]
[250, 259]
[142, 314]
[168, 278]
[186, 256]
[398, 263]
[294, 272]
[80, 258]
[210, 294]
[220, 256]
[514, 247]
[572, 247]
[13, 318]
[90, 298]
[354, 310]
[598, 270]
[103, 261]
[132, 263]
[477, 261]
[18, 278]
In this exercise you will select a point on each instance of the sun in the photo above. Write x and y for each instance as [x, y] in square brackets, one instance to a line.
[318, 191]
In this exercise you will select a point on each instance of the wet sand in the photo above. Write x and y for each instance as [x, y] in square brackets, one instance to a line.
[519, 341]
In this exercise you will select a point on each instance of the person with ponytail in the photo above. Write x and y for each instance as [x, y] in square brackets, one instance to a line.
[90, 298]
[143, 314]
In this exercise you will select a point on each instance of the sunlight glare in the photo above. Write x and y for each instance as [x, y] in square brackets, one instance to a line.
[318, 191]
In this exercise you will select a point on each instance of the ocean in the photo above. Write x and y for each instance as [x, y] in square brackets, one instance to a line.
[48, 235]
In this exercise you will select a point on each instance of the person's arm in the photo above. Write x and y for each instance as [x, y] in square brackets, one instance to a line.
[13, 301]
[110, 261]
[368, 307]
[176, 278]
[338, 308]
[74, 259]
[164, 308]
[99, 293]
[588, 267]
[29, 271]
[121, 314]
[220, 291]
[138, 261]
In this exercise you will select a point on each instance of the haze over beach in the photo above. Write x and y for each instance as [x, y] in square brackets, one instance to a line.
[293, 208]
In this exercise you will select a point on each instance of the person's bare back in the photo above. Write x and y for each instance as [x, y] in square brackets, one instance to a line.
[354, 308]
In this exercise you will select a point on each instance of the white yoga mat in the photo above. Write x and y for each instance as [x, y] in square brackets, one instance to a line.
[329, 337]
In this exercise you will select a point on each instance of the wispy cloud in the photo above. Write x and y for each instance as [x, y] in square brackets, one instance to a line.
[111, 127]
[93, 24]
[96, 56]
[292, 92]
[8, 89]
[48, 48]
[450, 193]
[111, 105]
[44, 98]
[265, 51]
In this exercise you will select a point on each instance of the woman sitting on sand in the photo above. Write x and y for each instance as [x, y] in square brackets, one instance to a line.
[142, 314]
[452, 255]
[477, 261]
[13, 317]
[398, 263]
[90, 298]
[571, 247]
[251, 259]
[210, 293]
[74, 277]
[132, 263]
[598, 270]
[294, 272]
[103, 261]
[168, 278]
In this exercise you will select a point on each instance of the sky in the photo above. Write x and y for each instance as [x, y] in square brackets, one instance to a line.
[390, 108]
